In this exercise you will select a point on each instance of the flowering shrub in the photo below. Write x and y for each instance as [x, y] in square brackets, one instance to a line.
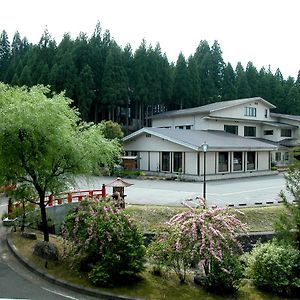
[102, 240]
[275, 267]
[197, 236]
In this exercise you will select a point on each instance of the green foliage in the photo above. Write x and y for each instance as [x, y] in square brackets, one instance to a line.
[44, 144]
[288, 225]
[111, 130]
[163, 252]
[224, 276]
[275, 267]
[103, 241]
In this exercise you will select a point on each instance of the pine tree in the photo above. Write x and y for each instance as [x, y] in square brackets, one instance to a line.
[242, 86]
[195, 85]
[182, 88]
[229, 84]
[4, 55]
[252, 78]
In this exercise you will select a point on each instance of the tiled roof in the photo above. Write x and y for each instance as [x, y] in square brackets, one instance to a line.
[215, 139]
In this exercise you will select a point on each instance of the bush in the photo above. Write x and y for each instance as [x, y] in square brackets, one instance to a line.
[224, 276]
[197, 236]
[103, 241]
[274, 267]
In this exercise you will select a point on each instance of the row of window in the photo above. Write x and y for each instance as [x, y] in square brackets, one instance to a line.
[250, 131]
[240, 161]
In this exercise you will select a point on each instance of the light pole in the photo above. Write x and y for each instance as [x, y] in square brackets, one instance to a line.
[204, 148]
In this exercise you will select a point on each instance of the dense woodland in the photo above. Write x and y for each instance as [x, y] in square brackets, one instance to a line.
[107, 81]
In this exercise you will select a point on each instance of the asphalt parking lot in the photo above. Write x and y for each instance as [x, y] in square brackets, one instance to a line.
[254, 191]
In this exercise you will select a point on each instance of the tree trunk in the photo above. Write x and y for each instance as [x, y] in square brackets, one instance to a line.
[44, 218]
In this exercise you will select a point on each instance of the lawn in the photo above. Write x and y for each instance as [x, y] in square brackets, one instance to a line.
[257, 219]
[150, 286]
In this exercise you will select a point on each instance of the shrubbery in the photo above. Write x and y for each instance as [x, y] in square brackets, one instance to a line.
[275, 267]
[103, 241]
[200, 237]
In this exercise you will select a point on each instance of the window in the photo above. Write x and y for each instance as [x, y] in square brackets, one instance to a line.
[286, 132]
[250, 160]
[250, 111]
[188, 127]
[165, 157]
[237, 161]
[266, 113]
[286, 156]
[231, 129]
[278, 156]
[268, 132]
[223, 162]
[177, 162]
[179, 127]
[249, 131]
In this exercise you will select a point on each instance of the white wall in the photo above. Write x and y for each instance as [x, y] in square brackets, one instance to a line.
[154, 161]
[263, 160]
[144, 160]
[191, 163]
[153, 144]
[238, 111]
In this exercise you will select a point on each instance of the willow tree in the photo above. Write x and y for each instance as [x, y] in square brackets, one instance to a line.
[44, 143]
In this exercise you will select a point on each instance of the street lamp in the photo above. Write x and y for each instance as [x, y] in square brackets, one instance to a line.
[204, 148]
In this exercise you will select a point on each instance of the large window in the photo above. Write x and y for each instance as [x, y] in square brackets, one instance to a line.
[237, 161]
[286, 132]
[249, 131]
[166, 161]
[223, 162]
[250, 111]
[177, 162]
[231, 129]
[251, 161]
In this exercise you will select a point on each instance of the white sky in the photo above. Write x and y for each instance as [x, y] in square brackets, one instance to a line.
[265, 32]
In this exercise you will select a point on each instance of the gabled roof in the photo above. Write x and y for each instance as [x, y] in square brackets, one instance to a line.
[206, 109]
[193, 139]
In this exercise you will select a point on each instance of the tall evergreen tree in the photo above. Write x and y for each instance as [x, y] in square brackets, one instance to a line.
[182, 88]
[217, 69]
[229, 84]
[195, 86]
[4, 55]
[115, 81]
[252, 78]
[242, 86]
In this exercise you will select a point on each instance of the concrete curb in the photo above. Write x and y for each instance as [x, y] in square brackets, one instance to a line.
[62, 283]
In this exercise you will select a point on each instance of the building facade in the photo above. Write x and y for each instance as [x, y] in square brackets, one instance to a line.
[243, 136]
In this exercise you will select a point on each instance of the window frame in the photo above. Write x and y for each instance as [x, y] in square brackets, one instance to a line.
[248, 128]
[248, 163]
[250, 111]
[223, 164]
[235, 127]
[165, 161]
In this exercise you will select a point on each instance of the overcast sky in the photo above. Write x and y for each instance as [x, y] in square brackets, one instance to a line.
[265, 32]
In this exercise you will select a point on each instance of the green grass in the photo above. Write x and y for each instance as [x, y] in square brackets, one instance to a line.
[257, 219]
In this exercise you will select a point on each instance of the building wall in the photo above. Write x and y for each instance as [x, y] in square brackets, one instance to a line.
[238, 111]
[191, 163]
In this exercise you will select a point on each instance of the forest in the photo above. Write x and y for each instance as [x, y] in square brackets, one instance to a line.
[108, 82]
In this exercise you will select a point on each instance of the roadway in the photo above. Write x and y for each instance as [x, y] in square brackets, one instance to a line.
[17, 282]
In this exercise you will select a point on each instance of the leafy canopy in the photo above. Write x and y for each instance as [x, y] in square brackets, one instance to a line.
[44, 142]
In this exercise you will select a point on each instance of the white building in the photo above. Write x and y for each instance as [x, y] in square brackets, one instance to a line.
[243, 137]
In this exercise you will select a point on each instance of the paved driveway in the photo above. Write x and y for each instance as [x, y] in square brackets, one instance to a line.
[253, 191]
